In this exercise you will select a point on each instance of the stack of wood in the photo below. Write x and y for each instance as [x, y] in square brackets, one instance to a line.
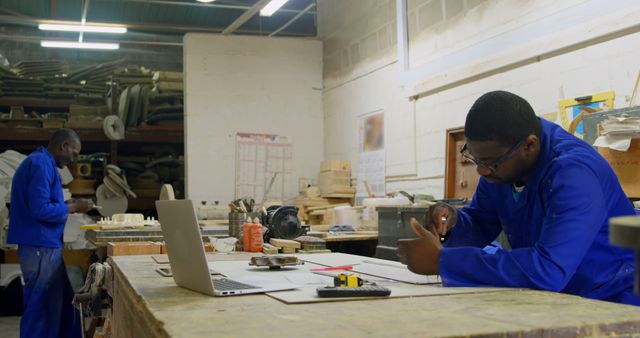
[94, 78]
[312, 244]
[62, 91]
[316, 210]
[334, 180]
[164, 109]
[86, 116]
[302, 244]
[40, 68]
[20, 87]
[11, 84]
[168, 82]
[285, 246]
[132, 75]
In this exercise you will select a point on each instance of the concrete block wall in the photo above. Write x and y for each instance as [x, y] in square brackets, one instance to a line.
[255, 85]
[415, 130]
[357, 33]
[354, 31]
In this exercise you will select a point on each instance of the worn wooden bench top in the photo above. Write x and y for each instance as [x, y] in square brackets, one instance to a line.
[146, 304]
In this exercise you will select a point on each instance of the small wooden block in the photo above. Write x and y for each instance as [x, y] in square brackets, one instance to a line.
[318, 234]
[314, 251]
[269, 249]
[320, 227]
[288, 250]
[133, 248]
[284, 243]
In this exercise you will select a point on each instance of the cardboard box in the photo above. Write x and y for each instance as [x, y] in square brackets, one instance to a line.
[626, 165]
[335, 165]
[335, 182]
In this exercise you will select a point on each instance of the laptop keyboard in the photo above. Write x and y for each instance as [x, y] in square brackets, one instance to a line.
[227, 285]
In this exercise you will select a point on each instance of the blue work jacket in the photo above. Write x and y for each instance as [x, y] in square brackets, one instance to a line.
[558, 228]
[38, 212]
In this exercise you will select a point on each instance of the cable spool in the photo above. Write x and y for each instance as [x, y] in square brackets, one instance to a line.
[283, 222]
[80, 169]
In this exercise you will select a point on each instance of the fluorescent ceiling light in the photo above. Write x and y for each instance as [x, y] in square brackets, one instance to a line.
[272, 7]
[206, 1]
[82, 28]
[79, 45]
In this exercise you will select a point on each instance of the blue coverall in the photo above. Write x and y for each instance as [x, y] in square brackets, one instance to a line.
[557, 228]
[37, 218]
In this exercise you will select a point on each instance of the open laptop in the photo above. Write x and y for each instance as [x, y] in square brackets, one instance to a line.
[188, 260]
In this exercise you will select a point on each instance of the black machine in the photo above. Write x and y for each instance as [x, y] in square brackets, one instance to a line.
[282, 222]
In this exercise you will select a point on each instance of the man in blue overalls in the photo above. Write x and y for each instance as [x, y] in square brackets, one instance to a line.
[37, 217]
[551, 193]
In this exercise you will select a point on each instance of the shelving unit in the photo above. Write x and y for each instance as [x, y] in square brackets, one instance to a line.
[27, 140]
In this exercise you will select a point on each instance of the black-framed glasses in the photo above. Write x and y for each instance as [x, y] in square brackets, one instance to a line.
[491, 166]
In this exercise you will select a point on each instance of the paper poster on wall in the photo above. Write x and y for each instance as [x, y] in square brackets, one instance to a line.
[570, 109]
[371, 161]
[260, 157]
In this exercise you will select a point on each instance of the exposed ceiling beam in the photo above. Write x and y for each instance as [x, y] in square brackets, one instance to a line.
[13, 13]
[246, 16]
[200, 4]
[83, 17]
[31, 21]
[293, 19]
[142, 27]
[54, 8]
[31, 38]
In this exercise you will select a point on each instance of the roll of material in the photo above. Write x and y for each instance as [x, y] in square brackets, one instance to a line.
[625, 232]
[166, 193]
[113, 128]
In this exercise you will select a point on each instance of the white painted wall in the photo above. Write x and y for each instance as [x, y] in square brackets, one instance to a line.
[372, 82]
[249, 84]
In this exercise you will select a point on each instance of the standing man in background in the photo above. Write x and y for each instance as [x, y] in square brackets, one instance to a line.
[37, 217]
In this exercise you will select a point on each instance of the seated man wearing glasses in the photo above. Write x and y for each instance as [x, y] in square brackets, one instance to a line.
[550, 192]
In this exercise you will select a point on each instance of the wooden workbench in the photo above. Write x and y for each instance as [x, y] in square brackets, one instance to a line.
[100, 237]
[366, 236]
[148, 305]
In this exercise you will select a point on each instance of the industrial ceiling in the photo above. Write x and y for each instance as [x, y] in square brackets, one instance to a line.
[155, 22]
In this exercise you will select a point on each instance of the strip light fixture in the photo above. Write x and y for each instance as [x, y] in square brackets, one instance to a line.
[80, 45]
[82, 28]
[272, 7]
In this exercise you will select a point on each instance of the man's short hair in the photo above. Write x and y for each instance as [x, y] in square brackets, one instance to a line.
[502, 117]
[63, 135]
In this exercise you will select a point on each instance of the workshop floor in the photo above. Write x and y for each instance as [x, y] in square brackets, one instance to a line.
[10, 327]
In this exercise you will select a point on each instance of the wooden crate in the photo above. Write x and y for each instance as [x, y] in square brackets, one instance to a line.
[133, 248]
[332, 182]
[335, 165]
[461, 177]
[626, 165]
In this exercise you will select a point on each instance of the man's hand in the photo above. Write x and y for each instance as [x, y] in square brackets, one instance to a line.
[422, 254]
[81, 205]
[440, 218]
